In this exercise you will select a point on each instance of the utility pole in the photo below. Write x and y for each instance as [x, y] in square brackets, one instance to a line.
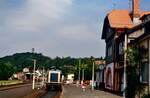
[129, 3]
[114, 6]
[79, 70]
[125, 64]
[93, 76]
[43, 77]
[83, 74]
[33, 83]
[34, 64]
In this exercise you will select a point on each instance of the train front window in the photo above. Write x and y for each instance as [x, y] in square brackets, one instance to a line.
[54, 77]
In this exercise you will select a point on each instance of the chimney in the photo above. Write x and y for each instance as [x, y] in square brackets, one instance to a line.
[136, 8]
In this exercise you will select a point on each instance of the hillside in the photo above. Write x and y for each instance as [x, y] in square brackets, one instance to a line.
[21, 60]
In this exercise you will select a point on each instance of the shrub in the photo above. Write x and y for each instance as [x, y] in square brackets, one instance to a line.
[146, 96]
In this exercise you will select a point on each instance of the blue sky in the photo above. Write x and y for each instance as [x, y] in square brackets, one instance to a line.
[56, 27]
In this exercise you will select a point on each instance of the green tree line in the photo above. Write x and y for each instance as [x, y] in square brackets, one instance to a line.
[18, 61]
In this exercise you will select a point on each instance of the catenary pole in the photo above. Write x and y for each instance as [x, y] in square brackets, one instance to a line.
[79, 70]
[34, 64]
[33, 83]
[93, 76]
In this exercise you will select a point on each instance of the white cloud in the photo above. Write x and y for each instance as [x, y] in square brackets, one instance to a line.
[35, 14]
[53, 27]
[25, 26]
[77, 32]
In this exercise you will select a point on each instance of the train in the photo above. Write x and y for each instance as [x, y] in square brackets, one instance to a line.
[54, 80]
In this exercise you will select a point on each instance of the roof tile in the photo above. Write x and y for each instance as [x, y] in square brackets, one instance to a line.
[122, 18]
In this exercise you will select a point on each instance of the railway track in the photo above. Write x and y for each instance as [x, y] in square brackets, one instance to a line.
[14, 86]
[51, 94]
[17, 91]
[25, 91]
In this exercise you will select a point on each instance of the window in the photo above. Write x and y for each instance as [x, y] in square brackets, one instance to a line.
[121, 45]
[148, 17]
[54, 77]
[109, 78]
[109, 30]
[110, 51]
[144, 72]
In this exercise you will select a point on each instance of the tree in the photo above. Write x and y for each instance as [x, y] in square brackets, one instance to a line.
[134, 86]
[146, 96]
[22, 60]
[6, 70]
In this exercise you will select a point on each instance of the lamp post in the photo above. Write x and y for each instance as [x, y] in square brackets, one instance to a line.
[93, 76]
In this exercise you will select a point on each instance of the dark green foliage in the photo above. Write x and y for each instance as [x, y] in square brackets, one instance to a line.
[146, 96]
[6, 70]
[22, 60]
[134, 86]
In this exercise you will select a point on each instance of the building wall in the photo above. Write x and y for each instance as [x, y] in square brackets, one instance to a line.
[144, 43]
[136, 33]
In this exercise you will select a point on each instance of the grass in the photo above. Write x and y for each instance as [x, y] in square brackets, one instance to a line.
[9, 82]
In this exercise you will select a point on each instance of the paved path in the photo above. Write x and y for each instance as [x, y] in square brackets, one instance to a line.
[71, 91]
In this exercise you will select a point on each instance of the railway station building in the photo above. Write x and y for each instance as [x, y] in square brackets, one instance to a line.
[115, 24]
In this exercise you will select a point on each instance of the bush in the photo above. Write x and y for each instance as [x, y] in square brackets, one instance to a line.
[146, 96]
[134, 86]
[6, 70]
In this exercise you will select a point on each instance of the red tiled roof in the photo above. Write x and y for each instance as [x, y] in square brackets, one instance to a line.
[144, 13]
[121, 18]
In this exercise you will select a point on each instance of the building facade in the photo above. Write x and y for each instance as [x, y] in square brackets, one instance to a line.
[115, 24]
[143, 43]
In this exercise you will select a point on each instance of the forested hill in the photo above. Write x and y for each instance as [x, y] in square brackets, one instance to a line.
[18, 61]
[21, 60]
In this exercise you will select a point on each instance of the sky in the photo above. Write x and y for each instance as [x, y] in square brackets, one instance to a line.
[56, 27]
